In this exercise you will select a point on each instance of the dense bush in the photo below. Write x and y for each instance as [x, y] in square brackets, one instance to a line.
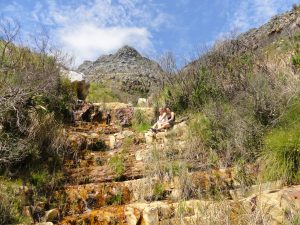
[223, 135]
[281, 152]
[34, 101]
[140, 122]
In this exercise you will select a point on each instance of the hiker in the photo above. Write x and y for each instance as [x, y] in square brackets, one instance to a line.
[171, 118]
[162, 120]
[167, 123]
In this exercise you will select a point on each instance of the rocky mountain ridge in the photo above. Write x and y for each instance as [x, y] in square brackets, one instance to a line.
[126, 70]
[280, 26]
[285, 24]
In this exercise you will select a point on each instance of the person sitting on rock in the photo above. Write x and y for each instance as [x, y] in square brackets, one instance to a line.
[168, 123]
[171, 118]
[161, 122]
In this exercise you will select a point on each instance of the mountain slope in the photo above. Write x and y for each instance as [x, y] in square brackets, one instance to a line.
[126, 70]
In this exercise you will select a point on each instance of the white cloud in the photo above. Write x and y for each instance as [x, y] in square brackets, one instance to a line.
[249, 14]
[252, 13]
[87, 41]
[96, 27]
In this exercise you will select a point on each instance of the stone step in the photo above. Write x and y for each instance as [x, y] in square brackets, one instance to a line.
[98, 174]
[204, 185]
[105, 216]
[273, 206]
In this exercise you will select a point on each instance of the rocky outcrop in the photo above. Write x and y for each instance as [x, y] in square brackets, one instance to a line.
[126, 70]
[285, 24]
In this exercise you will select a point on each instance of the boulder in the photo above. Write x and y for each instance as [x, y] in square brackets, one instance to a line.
[112, 141]
[150, 215]
[51, 215]
[142, 102]
[132, 215]
[124, 116]
[149, 137]
[278, 204]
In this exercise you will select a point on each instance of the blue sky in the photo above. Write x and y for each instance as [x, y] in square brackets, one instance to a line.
[89, 28]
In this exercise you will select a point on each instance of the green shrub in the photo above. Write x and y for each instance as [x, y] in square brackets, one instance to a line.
[296, 61]
[115, 199]
[43, 181]
[281, 155]
[127, 143]
[11, 204]
[204, 88]
[158, 191]
[116, 164]
[62, 103]
[140, 122]
[281, 152]
[39, 178]
[174, 97]
[100, 93]
[222, 134]
[200, 126]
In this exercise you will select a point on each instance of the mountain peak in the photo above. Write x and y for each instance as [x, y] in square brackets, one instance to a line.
[127, 51]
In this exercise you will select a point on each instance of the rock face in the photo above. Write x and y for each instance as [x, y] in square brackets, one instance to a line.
[126, 70]
[285, 24]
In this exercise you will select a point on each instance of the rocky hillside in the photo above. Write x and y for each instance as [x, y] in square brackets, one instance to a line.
[282, 26]
[285, 24]
[119, 176]
[126, 70]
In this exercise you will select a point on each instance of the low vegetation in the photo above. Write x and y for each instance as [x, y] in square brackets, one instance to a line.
[116, 164]
[10, 206]
[281, 152]
[140, 122]
[100, 93]
[238, 101]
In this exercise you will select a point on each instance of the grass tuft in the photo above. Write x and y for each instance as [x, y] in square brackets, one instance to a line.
[281, 152]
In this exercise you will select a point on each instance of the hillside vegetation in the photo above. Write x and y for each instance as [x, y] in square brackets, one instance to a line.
[34, 102]
[247, 102]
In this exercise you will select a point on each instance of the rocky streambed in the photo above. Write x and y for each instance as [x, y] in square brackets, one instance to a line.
[110, 179]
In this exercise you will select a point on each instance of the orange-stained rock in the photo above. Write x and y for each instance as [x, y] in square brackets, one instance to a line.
[278, 204]
[105, 216]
